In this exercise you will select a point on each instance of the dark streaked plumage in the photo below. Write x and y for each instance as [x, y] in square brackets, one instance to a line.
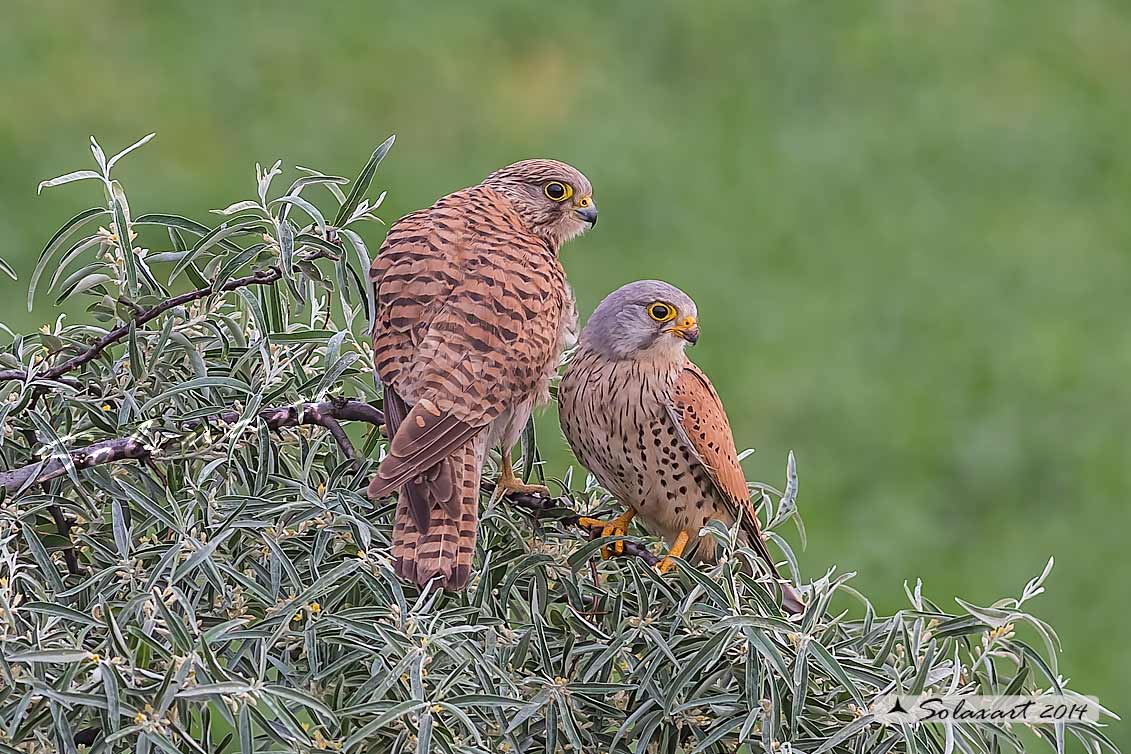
[473, 311]
[648, 424]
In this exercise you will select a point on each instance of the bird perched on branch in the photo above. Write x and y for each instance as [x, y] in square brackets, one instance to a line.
[473, 312]
[651, 428]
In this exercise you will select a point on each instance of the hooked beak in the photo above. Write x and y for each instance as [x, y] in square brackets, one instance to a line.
[688, 329]
[588, 213]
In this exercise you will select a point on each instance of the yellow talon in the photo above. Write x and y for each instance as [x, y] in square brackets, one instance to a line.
[676, 551]
[618, 527]
[509, 484]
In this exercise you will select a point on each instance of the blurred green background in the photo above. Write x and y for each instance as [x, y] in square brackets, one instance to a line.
[906, 223]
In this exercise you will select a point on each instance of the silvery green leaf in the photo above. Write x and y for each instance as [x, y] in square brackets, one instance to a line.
[225, 688]
[1034, 587]
[88, 282]
[293, 695]
[49, 655]
[108, 675]
[176, 223]
[844, 734]
[424, 733]
[331, 182]
[121, 530]
[61, 237]
[361, 185]
[334, 346]
[286, 235]
[216, 236]
[77, 175]
[198, 557]
[789, 498]
[243, 206]
[73, 253]
[363, 261]
[264, 178]
[63, 731]
[394, 713]
[122, 226]
[302, 336]
[99, 155]
[140, 142]
[58, 611]
[315, 179]
[365, 208]
[335, 370]
[199, 383]
[306, 207]
[988, 615]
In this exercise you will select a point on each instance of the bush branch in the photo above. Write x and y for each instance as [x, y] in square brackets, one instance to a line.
[105, 451]
[19, 374]
[262, 277]
[328, 414]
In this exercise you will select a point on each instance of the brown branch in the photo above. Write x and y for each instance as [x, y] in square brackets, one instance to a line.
[19, 374]
[262, 277]
[327, 414]
[105, 451]
[335, 429]
[265, 276]
[63, 526]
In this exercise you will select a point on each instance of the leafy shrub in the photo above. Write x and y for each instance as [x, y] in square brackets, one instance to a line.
[189, 564]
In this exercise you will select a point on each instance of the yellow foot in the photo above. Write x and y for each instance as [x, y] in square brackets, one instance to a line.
[513, 486]
[509, 484]
[618, 527]
[676, 551]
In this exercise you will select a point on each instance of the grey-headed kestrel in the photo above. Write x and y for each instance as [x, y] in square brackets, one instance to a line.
[651, 428]
[473, 312]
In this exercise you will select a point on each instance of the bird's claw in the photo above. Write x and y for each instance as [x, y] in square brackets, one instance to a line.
[513, 486]
[665, 565]
[618, 527]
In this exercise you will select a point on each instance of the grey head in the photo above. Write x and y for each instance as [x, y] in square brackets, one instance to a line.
[644, 319]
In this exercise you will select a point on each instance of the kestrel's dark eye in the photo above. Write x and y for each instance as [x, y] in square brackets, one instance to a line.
[558, 191]
[661, 312]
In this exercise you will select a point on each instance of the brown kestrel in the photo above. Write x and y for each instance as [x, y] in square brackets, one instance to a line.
[648, 424]
[473, 312]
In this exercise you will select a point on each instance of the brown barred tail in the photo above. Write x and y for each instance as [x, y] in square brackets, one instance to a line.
[445, 549]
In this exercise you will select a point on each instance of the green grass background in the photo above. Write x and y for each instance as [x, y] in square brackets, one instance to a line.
[907, 225]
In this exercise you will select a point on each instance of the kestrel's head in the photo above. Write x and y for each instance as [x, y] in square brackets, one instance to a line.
[645, 319]
[553, 198]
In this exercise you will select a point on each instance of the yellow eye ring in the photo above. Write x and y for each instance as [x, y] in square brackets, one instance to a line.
[557, 191]
[661, 312]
